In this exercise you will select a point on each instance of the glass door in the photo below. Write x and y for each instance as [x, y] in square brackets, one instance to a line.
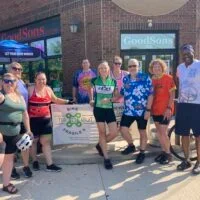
[145, 58]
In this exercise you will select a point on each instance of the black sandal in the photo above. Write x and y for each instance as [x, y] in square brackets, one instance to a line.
[10, 188]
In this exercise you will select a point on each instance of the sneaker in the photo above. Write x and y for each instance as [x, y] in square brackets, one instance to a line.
[184, 165]
[129, 149]
[36, 166]
[98, 147]
[27, 172]
[140, 158]
[108, 164]
[166, 159]
[14, 174]
[196, 169]
[159, 157]
[53, 168]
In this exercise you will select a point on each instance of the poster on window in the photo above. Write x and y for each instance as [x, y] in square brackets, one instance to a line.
[75, 124]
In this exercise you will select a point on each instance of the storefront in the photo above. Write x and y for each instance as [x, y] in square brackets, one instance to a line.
[148, 45]
[45, 35]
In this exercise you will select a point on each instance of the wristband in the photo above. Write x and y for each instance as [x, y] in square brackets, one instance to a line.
[110, 99]
[148, 110]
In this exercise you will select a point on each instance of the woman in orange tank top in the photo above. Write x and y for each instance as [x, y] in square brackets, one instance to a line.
[40, 98]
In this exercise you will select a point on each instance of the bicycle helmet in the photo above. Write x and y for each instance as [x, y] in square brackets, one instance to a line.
[24, 142]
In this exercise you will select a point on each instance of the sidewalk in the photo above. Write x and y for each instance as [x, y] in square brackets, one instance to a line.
[87, 154]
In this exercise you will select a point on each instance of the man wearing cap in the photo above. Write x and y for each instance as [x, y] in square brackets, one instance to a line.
[188, 107]
[137, 90]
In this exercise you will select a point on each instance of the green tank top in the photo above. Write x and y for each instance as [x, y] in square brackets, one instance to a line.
[11, 111]
[103, 90]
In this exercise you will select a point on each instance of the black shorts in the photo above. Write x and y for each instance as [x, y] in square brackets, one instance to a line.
[187, 118]
[128, 120]
[22, 129]
[41, 126]
[160, 119]
[10, 144]
[104, 115]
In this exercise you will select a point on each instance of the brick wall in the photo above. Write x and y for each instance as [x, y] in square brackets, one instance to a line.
[101, 22]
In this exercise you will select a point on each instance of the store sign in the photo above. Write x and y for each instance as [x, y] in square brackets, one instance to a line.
[75, 124]
[148, 41]
[33, 31]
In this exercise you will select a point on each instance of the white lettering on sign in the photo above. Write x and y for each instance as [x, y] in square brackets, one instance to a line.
[148, 41]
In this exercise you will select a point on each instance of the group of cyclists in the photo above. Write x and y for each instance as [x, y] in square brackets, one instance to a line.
[143, 95]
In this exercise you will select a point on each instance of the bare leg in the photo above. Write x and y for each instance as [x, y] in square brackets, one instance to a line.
[163, 137]
[197, 139]
[33, 149]
[185, 145]
[7, 168]
[113, 130]
[126, 135]
[143, 139]
[25, 157]
[45, 141]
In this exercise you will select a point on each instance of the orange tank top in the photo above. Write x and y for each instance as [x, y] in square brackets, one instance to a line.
[39, 106]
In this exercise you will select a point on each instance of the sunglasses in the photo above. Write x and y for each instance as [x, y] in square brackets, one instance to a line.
[17, 69]
[130, 66]
[7, 81]
[117, 63]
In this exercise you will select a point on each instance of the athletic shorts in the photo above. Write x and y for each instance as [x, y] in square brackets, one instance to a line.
[10, 144]
[128, 120]
[187, 118]
[104, 115]
[41, 126]
[160, 119]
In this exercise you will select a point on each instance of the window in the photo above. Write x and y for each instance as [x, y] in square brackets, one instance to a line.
[38, 44]
[54, 46]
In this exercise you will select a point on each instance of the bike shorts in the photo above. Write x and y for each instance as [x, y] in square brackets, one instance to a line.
[41, 126]
[187, 118]
[104, 115]
[128, 120]
[10, 144]
[160, 119]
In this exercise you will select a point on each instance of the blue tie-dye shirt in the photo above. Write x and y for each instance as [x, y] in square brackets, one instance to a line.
[136, 92]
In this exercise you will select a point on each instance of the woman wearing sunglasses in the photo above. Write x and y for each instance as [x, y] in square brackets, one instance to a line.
[163, 106]
[40, 98]
[12, 113]
[16, 69]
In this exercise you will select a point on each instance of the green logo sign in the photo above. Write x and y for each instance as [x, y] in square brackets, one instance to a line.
[73, 119]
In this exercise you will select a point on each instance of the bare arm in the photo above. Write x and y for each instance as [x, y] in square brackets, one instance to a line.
[74, 91]
[1, 98]
[168, 112]
[55, 99]
[148, 107]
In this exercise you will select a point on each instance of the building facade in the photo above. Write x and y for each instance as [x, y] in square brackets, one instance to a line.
[71, 30]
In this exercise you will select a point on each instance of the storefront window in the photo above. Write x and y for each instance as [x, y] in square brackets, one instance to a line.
[54, 46]
[55, 67]
[38, 44]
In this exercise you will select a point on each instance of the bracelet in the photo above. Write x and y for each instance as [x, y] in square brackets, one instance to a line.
[148, 110]
[110, 99]
[67, 101]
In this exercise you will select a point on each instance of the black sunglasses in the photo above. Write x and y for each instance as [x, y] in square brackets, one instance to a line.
[117, 63]
[130, 66]
[7, 81]
[17, 69]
